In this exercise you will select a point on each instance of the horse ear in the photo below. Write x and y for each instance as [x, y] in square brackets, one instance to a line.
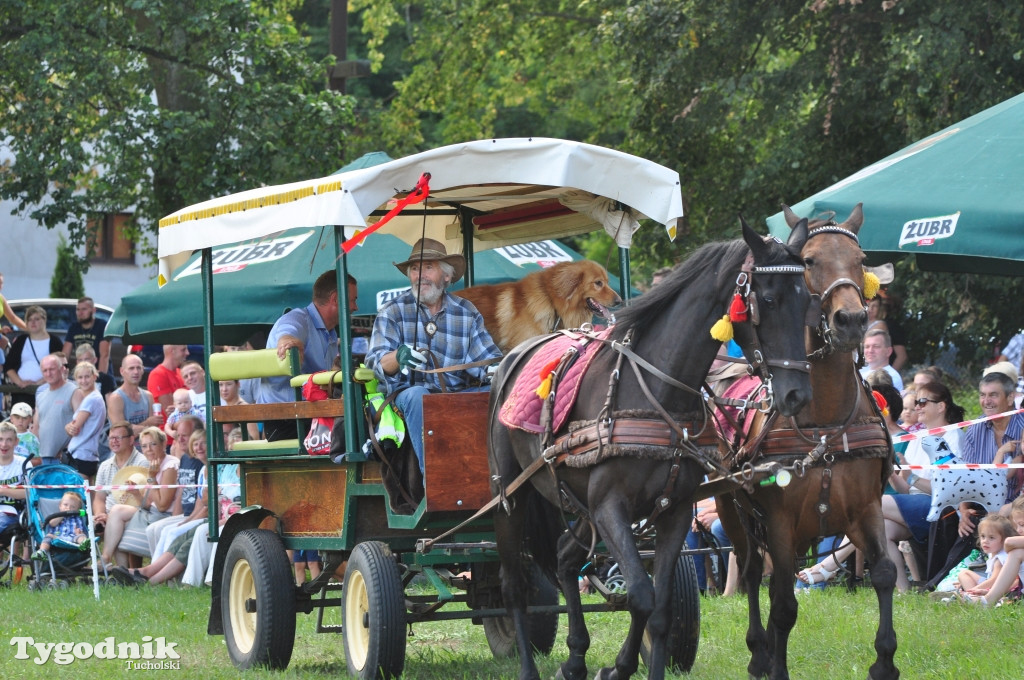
[856, 219]
[755, 242]
[791, 217]
[798, 236]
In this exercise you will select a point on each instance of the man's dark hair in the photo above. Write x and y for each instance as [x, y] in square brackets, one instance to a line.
[326, 284]
[1003, 380]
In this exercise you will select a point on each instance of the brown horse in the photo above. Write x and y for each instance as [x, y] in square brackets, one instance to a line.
[840, 456]
[638, 422]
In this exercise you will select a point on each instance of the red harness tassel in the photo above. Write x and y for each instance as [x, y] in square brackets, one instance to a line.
[738, 309]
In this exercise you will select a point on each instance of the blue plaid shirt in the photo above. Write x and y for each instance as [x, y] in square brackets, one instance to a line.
[460, 339]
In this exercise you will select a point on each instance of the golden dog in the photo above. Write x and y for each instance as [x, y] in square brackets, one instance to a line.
[566, 295]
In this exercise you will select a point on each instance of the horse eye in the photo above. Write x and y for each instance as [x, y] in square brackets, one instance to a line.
[769, 301]
[808, 261]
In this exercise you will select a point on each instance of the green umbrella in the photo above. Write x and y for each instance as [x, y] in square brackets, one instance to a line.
[954, 200]
[255, 282]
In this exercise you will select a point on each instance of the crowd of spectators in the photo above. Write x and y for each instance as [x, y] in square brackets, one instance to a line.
[101, 429]
[932, 555]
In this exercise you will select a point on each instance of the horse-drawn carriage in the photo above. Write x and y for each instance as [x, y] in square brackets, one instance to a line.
[640, 417]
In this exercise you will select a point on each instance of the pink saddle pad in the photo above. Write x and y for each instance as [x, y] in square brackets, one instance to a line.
[743, 388]
[522, 408]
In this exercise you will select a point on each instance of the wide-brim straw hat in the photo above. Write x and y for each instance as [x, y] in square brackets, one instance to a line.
[429, 250]
[129, 474]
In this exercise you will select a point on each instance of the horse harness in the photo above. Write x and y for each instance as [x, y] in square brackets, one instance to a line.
[625, 433]
[869, 439]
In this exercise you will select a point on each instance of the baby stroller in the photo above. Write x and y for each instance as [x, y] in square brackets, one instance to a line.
[65, 562]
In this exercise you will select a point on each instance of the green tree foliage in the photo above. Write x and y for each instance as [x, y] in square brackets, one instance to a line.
[66, 281]
[758, 103]
[480, 68]
[754, 102]
[150, 105]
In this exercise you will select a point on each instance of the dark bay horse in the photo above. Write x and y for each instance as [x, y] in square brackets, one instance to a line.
[644, 377]
[841, 446]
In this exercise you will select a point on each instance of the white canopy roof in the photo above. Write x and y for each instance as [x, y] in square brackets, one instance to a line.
[521, 190]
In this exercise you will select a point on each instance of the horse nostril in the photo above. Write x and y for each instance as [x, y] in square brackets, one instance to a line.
[845, 319]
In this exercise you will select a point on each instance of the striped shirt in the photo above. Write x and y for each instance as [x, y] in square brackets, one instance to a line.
[979, 446]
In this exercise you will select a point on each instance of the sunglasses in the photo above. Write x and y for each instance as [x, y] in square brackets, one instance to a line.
[922, 401]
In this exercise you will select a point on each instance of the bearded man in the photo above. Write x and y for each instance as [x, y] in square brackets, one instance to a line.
[428, 321]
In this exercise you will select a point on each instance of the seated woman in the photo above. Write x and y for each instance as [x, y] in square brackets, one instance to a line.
[154, 503]
[185, 497]
[173, 547]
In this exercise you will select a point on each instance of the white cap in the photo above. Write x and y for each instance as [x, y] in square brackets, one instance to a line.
[21, 409]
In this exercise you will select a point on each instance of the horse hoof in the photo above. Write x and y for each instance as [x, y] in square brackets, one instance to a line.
[560, 674]
[606, 674]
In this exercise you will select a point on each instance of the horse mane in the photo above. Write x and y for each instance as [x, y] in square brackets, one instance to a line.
[721, 257]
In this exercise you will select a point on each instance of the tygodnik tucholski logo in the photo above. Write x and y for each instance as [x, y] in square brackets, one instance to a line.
[149, 654]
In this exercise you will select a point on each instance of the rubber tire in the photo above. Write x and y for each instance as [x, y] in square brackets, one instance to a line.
[501, 634]
[257, 568]
[684, 631]
[373, 613]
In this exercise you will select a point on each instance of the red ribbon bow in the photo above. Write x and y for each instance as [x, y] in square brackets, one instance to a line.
[417, 195]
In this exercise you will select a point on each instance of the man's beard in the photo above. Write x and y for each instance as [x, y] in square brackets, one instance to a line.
[88, 320]
[427, 293]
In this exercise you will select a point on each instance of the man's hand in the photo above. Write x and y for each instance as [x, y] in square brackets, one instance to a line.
[409, 358]
[967, 524]
[286, 342]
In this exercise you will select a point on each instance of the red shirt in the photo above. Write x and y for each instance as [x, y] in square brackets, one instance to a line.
[162, 381]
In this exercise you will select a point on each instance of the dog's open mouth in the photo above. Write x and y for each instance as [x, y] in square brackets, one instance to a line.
[600, 310]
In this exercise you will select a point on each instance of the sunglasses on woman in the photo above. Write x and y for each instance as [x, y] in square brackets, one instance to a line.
[923, 400]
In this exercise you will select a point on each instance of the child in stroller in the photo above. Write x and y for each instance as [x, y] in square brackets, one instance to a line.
[68, 558]
[69, 529]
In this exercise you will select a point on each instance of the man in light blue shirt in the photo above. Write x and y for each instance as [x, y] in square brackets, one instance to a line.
[312, 330]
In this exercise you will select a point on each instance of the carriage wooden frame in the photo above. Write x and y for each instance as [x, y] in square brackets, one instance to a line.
[483, 194]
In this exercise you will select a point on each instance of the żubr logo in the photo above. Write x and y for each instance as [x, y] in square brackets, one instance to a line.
[927, 231]
[151, 653]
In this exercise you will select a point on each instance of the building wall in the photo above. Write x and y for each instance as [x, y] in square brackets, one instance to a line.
[28, 256]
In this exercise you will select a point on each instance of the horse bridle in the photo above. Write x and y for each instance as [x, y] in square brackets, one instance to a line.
[759, 365]
[824, 330]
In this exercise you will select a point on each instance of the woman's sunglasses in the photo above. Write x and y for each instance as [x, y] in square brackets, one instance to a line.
[922, 401]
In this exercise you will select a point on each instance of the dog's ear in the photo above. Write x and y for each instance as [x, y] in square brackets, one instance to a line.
[569, 278]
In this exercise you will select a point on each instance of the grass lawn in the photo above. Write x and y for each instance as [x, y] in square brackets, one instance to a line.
[833, 638]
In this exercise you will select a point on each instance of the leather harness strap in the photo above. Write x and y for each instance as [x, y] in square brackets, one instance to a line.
[632, 431]
[784, 441]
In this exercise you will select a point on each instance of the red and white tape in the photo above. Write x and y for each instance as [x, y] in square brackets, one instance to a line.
[955, 426]
[109, 487]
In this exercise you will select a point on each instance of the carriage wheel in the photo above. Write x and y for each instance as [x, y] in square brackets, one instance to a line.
[258, 601]
[684, 631]
[374, 613]
[501, 634]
